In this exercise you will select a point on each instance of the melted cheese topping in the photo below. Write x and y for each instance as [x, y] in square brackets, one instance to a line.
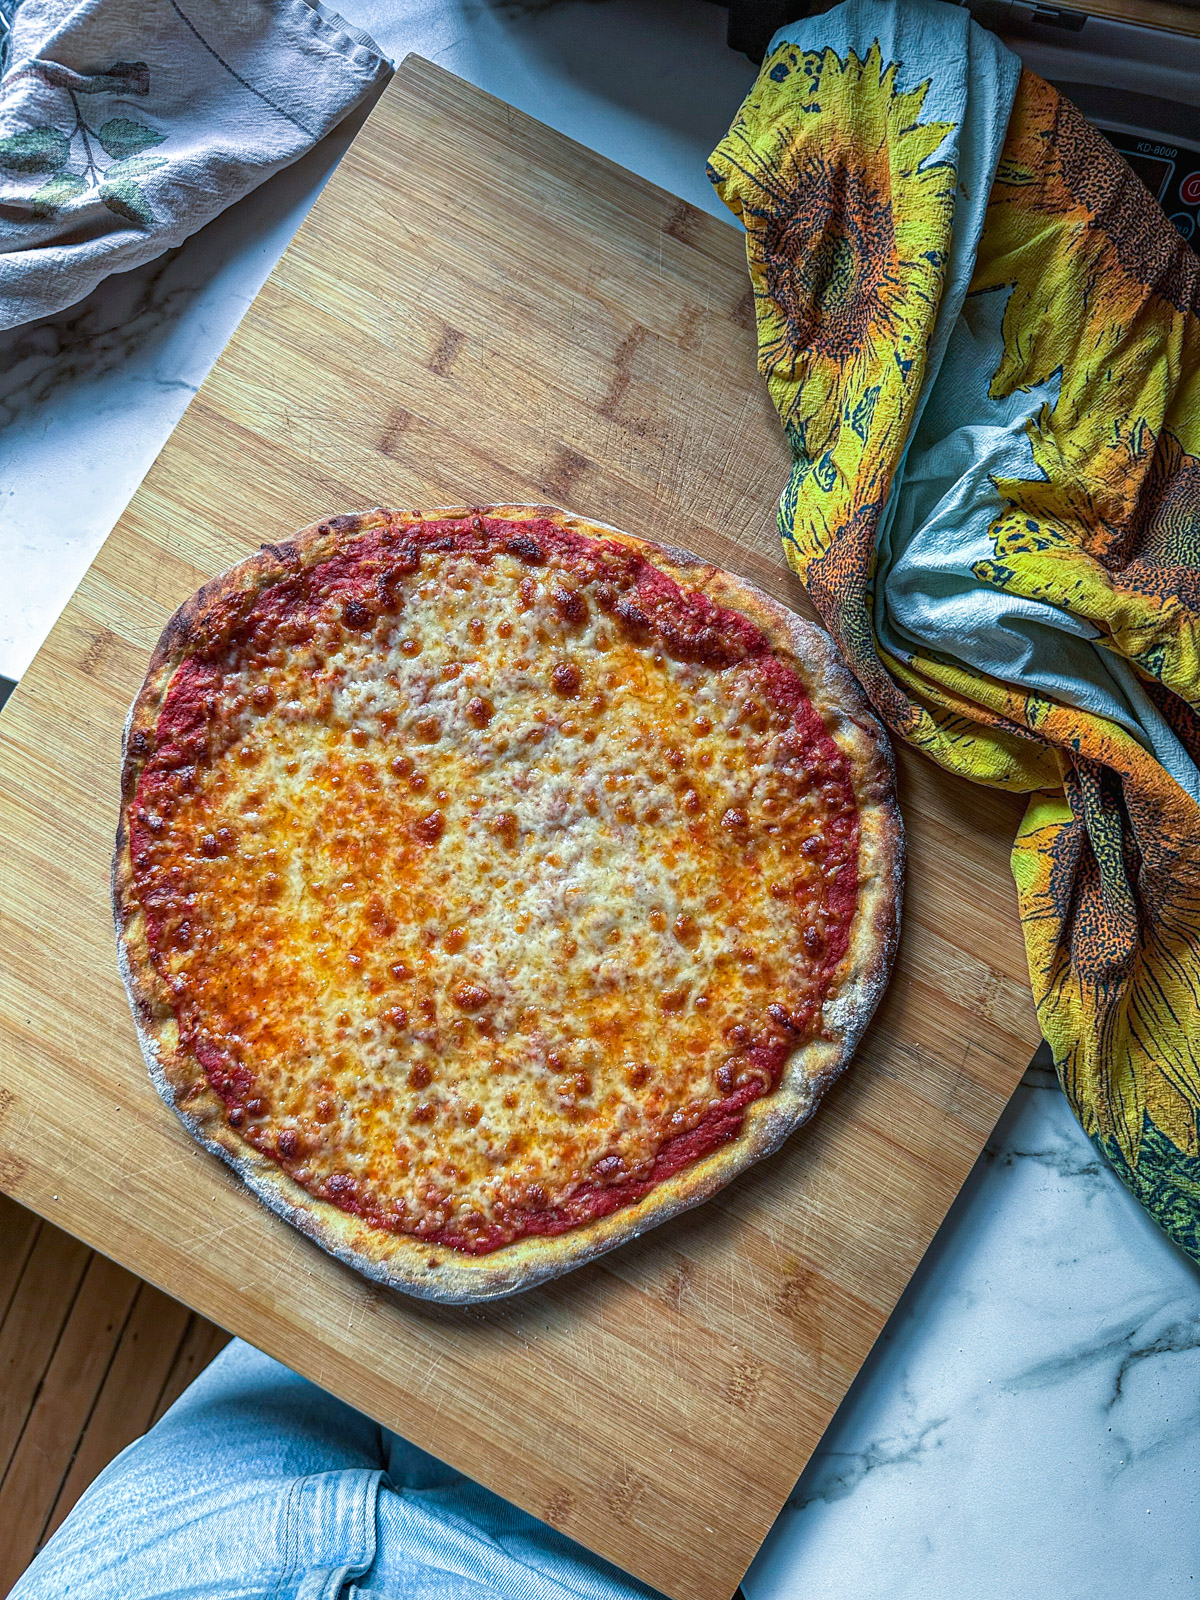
[475, 899]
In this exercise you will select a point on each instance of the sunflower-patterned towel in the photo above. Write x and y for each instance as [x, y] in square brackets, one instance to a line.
[982, 337]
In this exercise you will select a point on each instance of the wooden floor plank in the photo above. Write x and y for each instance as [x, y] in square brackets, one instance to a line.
[43, 1299]
[60, 1413]
[202, 1341]
[130, 1392]
[90, 1357]
[18, 1233]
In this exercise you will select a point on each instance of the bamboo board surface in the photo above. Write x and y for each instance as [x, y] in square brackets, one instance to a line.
[478, 310]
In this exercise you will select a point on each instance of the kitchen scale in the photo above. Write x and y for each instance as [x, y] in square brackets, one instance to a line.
[1140, 86]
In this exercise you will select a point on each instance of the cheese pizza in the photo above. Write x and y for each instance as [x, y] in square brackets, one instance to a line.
[491, 885]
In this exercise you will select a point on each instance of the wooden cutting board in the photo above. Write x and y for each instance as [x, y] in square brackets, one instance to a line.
[479, 310]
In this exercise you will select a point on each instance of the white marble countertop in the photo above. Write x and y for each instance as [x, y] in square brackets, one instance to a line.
[1029, 1423]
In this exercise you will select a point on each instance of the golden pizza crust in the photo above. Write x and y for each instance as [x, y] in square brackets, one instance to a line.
[433, 1271]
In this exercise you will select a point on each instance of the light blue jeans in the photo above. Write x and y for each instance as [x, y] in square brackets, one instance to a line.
[257, 1485]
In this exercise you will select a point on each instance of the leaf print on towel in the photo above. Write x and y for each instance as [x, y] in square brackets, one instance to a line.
[60, 191]
[113, 154]
[34, 150]
[121, 137]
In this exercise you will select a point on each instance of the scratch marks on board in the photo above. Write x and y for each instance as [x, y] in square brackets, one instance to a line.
[98, 650]
[743, 1384]
[12, 1171]
[395, 427]
[443, 358]
[563, 471]
[681, 222]
[559, 1508]
[622, 1492]
[622, 377]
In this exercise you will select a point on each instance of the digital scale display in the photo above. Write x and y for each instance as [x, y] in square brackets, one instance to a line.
[1170, 172]
[1154, 171]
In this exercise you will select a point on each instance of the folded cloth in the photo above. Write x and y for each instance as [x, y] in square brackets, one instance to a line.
[125, 125]
[981, 334]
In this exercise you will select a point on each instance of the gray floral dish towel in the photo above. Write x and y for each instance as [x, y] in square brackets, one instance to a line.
[126, 125]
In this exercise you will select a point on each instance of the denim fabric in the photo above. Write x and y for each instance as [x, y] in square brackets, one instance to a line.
[257, 1485]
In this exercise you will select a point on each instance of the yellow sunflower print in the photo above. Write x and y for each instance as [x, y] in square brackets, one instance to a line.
[901, 180]
[848, 219]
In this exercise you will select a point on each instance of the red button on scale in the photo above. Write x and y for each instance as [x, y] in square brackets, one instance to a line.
[1189, 189]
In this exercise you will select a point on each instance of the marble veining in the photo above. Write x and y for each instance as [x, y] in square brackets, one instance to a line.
[99, 335]
[1029, 1421]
